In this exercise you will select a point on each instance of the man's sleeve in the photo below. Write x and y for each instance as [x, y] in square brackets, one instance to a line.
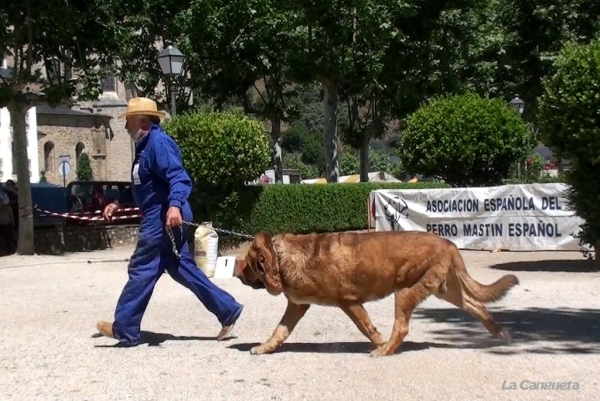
[169, 167]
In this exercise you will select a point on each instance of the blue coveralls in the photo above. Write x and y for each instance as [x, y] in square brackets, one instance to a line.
[158, 182]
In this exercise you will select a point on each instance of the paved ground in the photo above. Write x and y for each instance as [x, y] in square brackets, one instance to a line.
[49, 307]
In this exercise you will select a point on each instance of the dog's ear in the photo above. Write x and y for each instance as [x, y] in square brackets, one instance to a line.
[260, 262]
[267, 264]
[263, 242]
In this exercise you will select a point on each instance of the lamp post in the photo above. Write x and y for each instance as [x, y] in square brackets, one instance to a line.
[170, 60]
[52, 66]
[518, 104]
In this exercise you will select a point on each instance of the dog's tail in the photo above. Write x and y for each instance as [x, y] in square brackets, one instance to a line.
[484, 293]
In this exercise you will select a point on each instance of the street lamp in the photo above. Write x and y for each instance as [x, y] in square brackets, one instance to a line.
[518, 104]
[170, 60]
[52, 65]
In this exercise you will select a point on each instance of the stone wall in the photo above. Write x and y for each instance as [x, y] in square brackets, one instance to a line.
[60, 239]
[120, 148]
[98, 131]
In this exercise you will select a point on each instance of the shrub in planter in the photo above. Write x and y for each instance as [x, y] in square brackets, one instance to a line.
[465, 140]
[221, 151]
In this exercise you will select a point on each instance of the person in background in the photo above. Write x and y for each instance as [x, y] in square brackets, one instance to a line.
[7, 227]
[161, 188]
[13, 199]
[98, 200]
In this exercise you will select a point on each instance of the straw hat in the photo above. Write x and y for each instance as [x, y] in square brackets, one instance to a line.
[142, 106]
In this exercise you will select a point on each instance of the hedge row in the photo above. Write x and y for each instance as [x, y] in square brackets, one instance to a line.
[302, 208]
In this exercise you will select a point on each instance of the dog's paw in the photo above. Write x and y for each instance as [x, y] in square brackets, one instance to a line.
[506, 336]
[259, 350]
[379, 352]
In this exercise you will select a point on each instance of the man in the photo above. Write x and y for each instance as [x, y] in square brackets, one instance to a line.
[8, 240]
[13, 197]
[161, 188]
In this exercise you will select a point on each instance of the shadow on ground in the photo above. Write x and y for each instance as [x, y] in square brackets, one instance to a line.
[155, 339]
[534, 330]
[335, 347]
[568, 266]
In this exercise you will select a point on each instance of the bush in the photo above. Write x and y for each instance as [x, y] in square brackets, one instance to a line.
[307, 208]
[465, 140]
[221, 151]
[294, 161]
[297, 139]
[569, 115]
[84, 168]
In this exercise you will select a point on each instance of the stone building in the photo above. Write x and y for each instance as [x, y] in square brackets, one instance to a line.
[92, 128]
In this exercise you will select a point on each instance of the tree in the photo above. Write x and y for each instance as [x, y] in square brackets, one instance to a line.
[72, 39]
[534, 33]
[294, 161]
[432, 48]
[467, 140]
[569, 111]
[84, 168]
[151, 25]
[244, 46]
[340, 41]
[297, 139]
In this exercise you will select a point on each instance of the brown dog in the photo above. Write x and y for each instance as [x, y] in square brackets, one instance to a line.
[348, 269]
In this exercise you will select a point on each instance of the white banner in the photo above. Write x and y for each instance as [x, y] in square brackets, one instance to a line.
[528, 217]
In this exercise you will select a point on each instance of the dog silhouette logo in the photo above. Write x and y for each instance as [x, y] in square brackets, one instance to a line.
[395, 209]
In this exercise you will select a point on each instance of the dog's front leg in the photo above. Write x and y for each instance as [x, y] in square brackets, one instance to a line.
[292, 315]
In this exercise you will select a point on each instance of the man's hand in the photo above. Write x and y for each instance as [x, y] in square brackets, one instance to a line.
[109, 210]
[174, 217]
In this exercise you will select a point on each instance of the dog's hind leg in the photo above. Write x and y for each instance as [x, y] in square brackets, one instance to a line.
[406, 300]
[292, 315]
[456, 296]
[361, 319]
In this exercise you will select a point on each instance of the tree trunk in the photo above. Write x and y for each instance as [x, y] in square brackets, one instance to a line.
[364, 156]
[331, 133]
[277, 157]
[596, 257]
[18, 111]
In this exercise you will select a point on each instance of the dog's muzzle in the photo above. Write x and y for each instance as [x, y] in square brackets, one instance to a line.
[256, 284]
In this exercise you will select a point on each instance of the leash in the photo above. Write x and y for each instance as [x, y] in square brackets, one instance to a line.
[219, 230]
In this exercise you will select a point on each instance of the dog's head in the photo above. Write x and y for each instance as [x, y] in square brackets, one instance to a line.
[262, 266]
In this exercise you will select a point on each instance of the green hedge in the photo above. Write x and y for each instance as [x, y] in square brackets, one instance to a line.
[302, 208]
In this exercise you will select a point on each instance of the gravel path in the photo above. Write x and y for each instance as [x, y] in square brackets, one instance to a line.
[50, 306]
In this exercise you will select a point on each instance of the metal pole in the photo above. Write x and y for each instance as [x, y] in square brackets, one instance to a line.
[173, 100]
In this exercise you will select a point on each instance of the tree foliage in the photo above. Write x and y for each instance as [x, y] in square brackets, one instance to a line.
[84, 168]
[465, 139]
[221, 148]
[534, 33]
[570, 116]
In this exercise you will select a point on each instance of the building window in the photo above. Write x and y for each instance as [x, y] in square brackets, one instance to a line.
[49, 157]
[78, 152]
[109, 84]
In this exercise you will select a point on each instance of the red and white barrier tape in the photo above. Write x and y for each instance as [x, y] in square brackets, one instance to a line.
[85, 215]
[121, 210]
